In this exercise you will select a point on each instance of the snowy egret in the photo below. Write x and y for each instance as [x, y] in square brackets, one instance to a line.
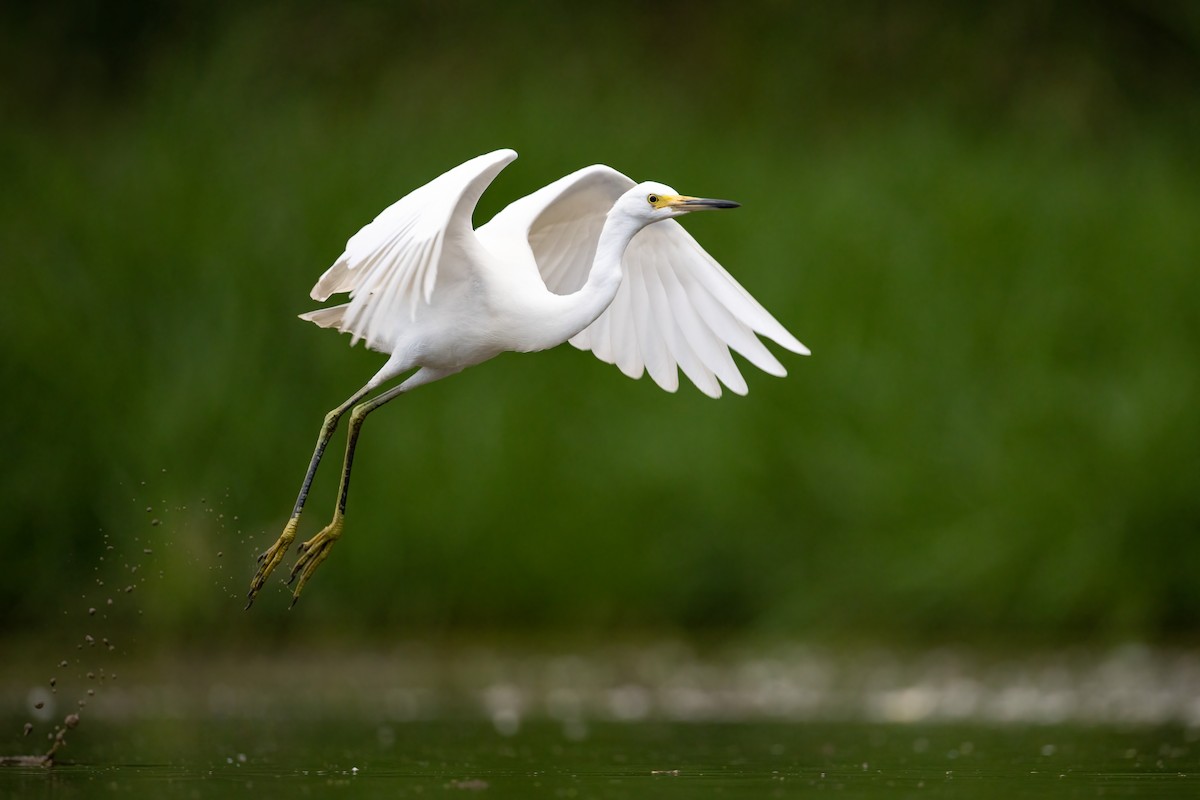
[592, 259]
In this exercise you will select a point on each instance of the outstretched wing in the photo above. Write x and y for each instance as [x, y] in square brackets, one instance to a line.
[676, 307]
[561, 224]
[396, 261]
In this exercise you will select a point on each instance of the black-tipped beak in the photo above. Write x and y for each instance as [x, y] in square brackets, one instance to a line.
[703, 204]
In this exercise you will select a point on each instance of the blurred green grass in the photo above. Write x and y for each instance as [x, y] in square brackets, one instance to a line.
[982, 222]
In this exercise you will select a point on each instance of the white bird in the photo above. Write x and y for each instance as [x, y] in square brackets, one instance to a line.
[593, 259]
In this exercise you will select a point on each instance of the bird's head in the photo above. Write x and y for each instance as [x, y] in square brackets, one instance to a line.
[653, 202]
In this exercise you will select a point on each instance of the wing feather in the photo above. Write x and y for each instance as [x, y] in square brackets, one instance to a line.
[602, 338]
[699, 311]
[561, 223]
[654, 351]
[395, 263]
[624, 336]
[711, 351]
[677, 343]
[730, 330]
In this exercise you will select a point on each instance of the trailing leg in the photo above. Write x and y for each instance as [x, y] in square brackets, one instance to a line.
[270, 559]
[316, 550]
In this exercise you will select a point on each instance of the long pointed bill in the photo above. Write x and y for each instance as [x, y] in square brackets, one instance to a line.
[685, 203]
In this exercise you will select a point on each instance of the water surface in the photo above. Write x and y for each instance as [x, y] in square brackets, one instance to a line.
[367, 757]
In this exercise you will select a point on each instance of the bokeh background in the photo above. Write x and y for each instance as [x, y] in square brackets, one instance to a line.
[984, 221]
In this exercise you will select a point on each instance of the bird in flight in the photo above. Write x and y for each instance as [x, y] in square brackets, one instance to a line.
[593, 259]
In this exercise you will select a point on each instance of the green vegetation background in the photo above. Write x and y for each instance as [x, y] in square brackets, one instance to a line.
[985, 222]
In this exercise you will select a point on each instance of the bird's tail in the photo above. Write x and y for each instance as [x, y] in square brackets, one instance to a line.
[331, 317]
[335, 317]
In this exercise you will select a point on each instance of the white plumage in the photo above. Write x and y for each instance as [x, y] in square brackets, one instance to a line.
[420, 262]
[593, 259]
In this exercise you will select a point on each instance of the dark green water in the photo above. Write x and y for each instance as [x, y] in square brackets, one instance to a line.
[367, 758]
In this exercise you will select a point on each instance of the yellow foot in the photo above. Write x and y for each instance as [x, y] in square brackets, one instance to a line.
[313, 552]
[268, 561]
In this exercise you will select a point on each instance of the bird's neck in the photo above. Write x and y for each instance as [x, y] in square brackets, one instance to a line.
[606, 274]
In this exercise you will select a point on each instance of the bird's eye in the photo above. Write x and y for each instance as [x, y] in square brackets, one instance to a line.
[652, 199]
